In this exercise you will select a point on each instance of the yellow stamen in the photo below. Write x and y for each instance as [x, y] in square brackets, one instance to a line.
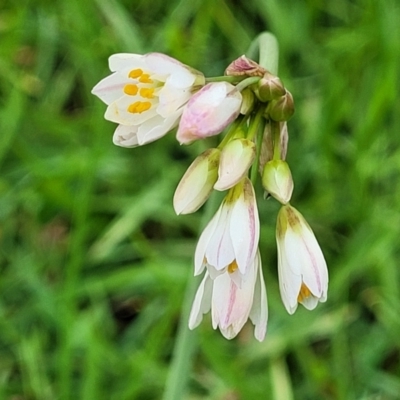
[145, 78]
[232, 267]
[135, 73]
[139, 106]
[131, 89]
[304, 293]
[147, 93]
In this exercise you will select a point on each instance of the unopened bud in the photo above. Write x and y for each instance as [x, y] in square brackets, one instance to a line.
[243, 66]
[196, 185]
[269, 87]
[236, 159]
[281, 109]
[248, 101]
[277, 180]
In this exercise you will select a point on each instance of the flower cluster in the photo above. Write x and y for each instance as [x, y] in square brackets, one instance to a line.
[148, 96]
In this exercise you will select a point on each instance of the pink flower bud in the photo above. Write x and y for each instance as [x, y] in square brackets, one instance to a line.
[209, 112]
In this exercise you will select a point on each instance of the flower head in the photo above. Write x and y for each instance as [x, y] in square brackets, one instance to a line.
[231, 306]
[145, 95]
[209, 112]
[303, 274]
[230, 239]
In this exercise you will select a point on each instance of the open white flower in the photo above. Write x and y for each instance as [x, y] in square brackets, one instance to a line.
[230, 239]
[231, 306]
[145, 95]
[303, 274]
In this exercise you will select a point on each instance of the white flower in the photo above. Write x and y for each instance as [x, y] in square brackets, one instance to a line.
[145, 95]
[303, 274]
[230, 305]
[231, 237]
[209, 112]
[277, 180]
[196, 185]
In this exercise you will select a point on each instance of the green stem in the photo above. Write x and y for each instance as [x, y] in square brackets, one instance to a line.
[265, 48]
[259, 132]
[225, 78]
[276, 138]
[186, 340]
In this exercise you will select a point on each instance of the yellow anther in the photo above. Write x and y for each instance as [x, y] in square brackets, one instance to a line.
[304, 293]
[145, 78]
[131, 89]
[135, 73]
[147, 93]
[232, 267]
[139, 106]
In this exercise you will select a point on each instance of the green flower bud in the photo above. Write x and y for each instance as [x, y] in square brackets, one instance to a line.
[281, 109]
[277, 180]
[269, 87]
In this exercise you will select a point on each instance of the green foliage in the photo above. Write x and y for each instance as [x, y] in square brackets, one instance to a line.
[94, 263]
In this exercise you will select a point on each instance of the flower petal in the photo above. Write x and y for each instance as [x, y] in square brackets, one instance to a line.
[126, 136]
[110, 88]
[120, 61]
[202, 302]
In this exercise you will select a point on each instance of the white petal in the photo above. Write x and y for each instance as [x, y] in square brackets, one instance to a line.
[110, 88]
[236, 159]
[245, 227]
[171, 99]
[202, 302]
[118, 111]
[180, 75]
[220, 252]
[126, 136]
[231, 305]
[156, 127]
[259, 309]
[310, 302]
[120, 61]
[204, 240]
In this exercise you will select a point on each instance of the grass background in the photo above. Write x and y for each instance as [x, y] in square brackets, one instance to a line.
[94, 262]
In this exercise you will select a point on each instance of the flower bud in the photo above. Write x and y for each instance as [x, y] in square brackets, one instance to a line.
[209, 112]
[281, 109]
[244, 66]
[269, 87]
[248, 101]
[236, 159]
[196, 185]
[277, 180]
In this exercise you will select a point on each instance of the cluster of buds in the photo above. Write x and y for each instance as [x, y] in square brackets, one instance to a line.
[148, 96]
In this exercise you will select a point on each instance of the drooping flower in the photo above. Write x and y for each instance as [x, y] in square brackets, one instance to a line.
[231, 238]
[197, 184]
[209, 112]
[231, 306]
[303, 274]
[145, 95]
[236, 159]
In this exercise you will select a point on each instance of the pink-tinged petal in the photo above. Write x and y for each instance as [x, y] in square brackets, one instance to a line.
[202, 244]
[180, 75]
[196, 185]
[156, 127]
[236, 159]
[202, 302]
[126, 136]
[259, 310]
[110, 88]
[209, 112]
[220, 252]
[245, 227]
[231, 305]
[303, 275]
[120, 61]
[118, 111]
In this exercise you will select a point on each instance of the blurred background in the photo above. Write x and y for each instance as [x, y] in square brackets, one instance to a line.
[94, 262]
